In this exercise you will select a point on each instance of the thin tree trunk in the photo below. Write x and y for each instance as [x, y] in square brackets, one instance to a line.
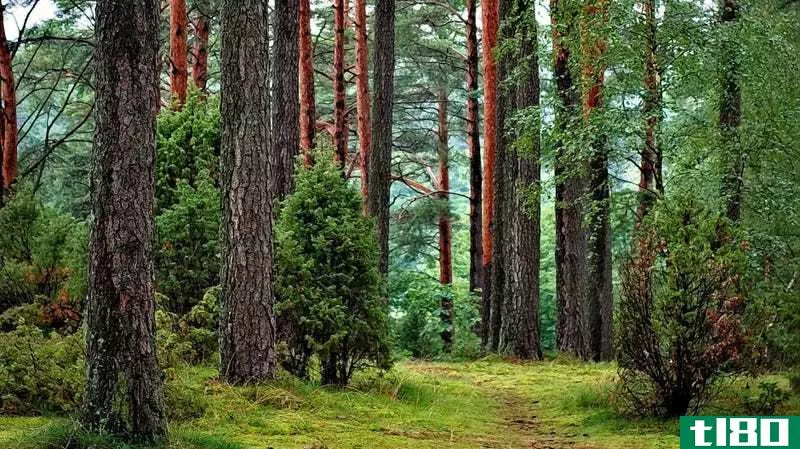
[445, 226]
[200, 68]
[650, 180]
[178, 50]
[286, 102]
[730, 113]
[9, 97]
[571, 273]
[362, 96]
[339, 93]
[490, 18]
[247, 322]
[474, 150]
[123, 380]
[593, 45]
[520, 146]
[308, 114]
[380, 155]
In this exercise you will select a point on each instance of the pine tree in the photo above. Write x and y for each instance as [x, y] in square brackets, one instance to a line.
[123, 385]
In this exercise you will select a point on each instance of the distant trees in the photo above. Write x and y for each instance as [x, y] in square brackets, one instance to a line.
[123, 384]
[285, 99]
[247, 323]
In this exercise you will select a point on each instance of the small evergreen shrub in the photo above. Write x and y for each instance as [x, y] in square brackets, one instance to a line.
[330, 295]
[769, 400]
[40, 372]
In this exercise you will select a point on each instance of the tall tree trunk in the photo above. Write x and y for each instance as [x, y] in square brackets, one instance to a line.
[308, 113]
[572, 331]
[520, 209]
[247, 322]
[362, 96]
[380, 155]
[650, 180]
[200, 68]
[490, 18]
[593, 46]
[474, 150]
[178, 50]
[286, 101]
[730, 113]
[123, 380]
[445, 226]
[339, 93]
[9, 119]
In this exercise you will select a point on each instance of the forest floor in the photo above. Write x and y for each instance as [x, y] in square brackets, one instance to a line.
[481, 404]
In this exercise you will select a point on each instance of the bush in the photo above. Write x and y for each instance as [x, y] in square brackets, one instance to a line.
[192, 338]
[43, 261]
[417, 326]
[329, 293]
[680, 312]
[770, 398]
[40, 373]
[187, 259]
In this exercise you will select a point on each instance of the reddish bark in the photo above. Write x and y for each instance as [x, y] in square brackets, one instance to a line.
[307, 101]
[178, 49]
[9, 96]
[200, 68]
[362, 95]
[490, 16]
[339, 94]
[445, 226]
[593, 46]
[474, 150]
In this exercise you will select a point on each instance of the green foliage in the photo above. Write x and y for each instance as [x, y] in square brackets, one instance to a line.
[681, 308]
[43, 261]
[329, 292]
[187, 259]
[769, 400]
[192, 338]
[40, 373]
[188, 145]
[416, 323]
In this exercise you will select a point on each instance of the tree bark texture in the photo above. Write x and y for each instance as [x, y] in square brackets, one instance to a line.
[202, 29]
[474, 150]
[490, 18]
[178, 50]
[308, 112]
[572, 332]
[362, 96]
[339, 92]
[247, 322]
[445, 225]
[520, 210]
[380, 155]
[730, 113]
[286, 101]
[651, 184]
[9, 119]
[593, 46]
[123, 380]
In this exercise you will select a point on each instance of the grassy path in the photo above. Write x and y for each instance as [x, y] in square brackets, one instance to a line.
[421, 405]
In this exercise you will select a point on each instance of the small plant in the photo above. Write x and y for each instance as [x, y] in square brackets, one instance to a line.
[770, 398]
[794, 382]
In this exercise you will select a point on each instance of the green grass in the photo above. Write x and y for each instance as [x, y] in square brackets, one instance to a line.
[483, 404]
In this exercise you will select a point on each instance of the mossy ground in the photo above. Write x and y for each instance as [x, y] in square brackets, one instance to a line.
[482, 404]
